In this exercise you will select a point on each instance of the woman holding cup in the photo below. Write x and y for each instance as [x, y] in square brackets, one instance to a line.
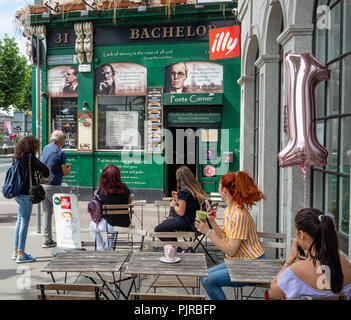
[238, 239]
[189, 197]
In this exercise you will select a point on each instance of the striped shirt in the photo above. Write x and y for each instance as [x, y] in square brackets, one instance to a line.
[239, 225]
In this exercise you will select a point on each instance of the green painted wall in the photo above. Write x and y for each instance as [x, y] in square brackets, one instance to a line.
[144, 172]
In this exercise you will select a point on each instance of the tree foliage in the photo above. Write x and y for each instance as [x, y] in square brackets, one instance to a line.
[15, 77]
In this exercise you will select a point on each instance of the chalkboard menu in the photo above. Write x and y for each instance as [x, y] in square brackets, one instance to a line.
[154, 117]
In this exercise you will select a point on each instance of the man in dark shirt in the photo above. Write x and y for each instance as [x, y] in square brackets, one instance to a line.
[56, 162]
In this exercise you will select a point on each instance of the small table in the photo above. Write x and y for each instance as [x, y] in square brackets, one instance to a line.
[260, 271]
[148, 263]
[89, 262]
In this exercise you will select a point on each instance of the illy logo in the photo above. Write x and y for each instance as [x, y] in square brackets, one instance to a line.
[65, 202]
[224, 42]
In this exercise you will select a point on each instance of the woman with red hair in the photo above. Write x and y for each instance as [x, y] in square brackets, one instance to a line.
[111, 191]
[238, 239]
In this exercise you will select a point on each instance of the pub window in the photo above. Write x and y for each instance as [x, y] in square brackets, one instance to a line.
[331, 184]
[121, 122]
[64, 117]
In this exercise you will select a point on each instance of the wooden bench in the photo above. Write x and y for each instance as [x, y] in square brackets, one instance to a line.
[153, 296]
[43, 287]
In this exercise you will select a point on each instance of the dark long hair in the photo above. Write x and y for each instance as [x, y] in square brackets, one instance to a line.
[110, 180]
[187, 180]
[325, 243]
[26, 145]
[242, 188]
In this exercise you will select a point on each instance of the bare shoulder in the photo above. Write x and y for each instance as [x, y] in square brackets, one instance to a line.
[304, 270]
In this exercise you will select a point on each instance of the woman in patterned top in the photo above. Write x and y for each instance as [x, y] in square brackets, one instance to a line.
[238, 239]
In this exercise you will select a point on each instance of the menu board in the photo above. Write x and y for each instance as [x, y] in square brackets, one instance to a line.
[154, 119]
[85, 132]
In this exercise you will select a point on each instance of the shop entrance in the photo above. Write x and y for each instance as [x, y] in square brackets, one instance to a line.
[183, 151]
[193, 141]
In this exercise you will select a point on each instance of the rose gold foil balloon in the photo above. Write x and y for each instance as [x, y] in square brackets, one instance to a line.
[303, 73]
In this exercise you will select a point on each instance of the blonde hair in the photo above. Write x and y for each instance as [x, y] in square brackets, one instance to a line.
[186, 179]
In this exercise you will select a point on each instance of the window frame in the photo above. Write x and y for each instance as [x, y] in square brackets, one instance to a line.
[97, 128]
[326, 119]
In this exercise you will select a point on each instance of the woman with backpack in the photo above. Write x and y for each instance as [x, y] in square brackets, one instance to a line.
[111, 190]
[25, 148]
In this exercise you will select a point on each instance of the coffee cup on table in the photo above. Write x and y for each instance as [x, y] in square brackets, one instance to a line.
[170, 252]
[201, 215]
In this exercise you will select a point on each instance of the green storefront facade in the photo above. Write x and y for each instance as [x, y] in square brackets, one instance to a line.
[199, 127]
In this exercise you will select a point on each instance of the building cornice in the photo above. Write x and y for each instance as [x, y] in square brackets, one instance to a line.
[245, 79]
[263, 59]
[294, 31]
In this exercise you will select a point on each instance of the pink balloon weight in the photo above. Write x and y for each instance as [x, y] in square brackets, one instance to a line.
[303, 73]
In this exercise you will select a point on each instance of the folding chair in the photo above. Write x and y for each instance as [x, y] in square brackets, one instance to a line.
[117, 209]
[44, 287]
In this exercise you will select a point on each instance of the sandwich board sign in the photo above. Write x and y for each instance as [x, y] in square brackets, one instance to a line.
[67, 221]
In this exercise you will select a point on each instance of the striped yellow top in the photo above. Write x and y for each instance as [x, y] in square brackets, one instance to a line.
[239, 225]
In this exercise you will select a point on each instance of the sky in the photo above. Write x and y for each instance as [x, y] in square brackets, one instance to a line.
[8, 10]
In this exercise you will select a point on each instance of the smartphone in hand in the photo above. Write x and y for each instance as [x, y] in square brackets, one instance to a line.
[302, 254]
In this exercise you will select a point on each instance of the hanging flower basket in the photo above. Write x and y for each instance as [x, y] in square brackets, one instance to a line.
[37, 9]
[72, 7]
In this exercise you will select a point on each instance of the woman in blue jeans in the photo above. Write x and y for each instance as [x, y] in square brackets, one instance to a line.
[238, 239]
[25, 148]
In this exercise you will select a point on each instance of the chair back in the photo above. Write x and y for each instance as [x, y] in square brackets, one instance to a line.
[111, 209]
[279, 242]
[44, 287]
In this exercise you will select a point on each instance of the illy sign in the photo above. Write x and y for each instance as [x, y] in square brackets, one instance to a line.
[224, 42]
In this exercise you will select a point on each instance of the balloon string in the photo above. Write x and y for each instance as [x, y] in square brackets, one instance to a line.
[305, 193]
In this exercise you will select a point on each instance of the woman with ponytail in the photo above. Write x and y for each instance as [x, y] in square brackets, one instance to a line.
[238, 239]
[325, 271]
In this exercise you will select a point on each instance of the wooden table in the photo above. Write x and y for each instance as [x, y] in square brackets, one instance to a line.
[260, 271]
[88, 262]
[148, 263]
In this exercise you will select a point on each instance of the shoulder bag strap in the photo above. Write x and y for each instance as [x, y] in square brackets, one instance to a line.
[30, 171]
[51, 154]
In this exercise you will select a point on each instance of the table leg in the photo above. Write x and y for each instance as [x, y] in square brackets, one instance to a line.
[152, 283]
[182, 285]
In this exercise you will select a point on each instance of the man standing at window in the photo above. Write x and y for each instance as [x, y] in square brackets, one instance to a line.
[178, 73]
[55, 160]
[71, 86]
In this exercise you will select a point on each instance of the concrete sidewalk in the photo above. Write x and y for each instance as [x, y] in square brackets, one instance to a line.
[17, 281]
